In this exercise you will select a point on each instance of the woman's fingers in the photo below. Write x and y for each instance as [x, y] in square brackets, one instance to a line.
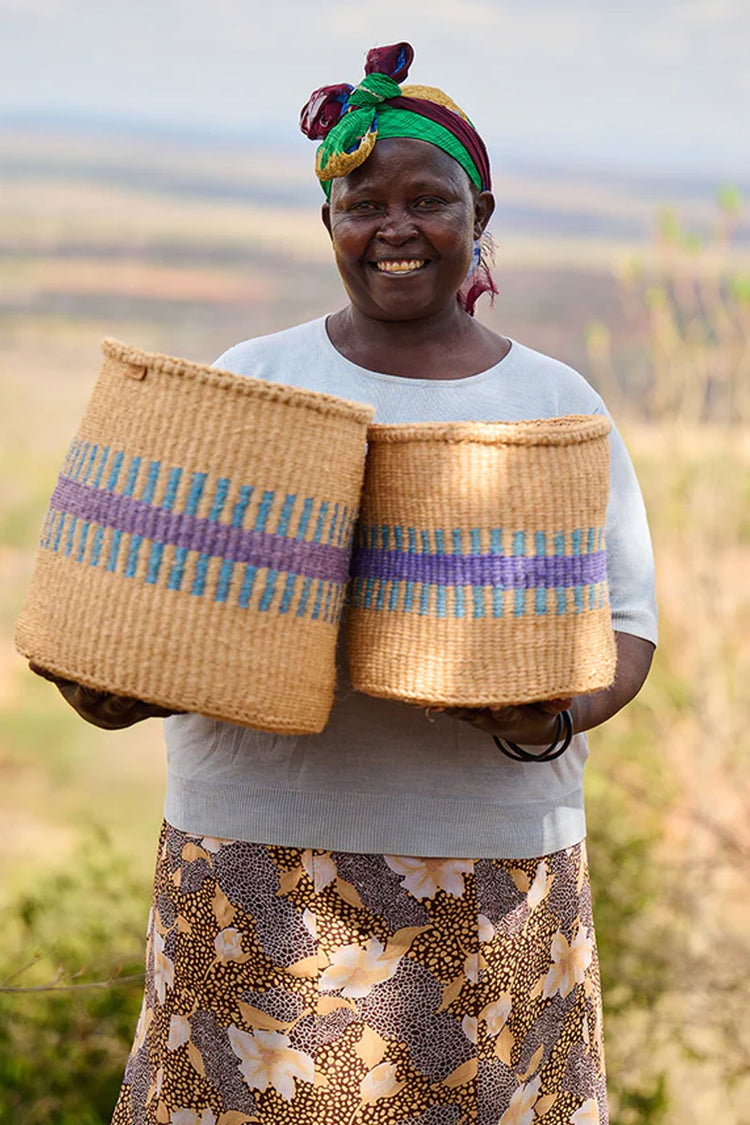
[102, 708]
[527, 724]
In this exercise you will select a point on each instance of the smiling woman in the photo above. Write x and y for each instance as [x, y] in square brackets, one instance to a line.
[390, 921]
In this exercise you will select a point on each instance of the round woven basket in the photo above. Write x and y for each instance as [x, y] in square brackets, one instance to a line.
[196, 548]
[479, 567]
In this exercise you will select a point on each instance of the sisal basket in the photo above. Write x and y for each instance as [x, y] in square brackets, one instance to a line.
[196, 548]
[479, 568]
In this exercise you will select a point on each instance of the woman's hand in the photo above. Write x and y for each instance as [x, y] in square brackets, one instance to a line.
[102, 708]
[534, 724]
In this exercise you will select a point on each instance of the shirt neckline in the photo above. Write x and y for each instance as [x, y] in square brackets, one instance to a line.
[382, 376]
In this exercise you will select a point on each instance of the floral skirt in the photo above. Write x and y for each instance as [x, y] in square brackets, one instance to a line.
[286, 987]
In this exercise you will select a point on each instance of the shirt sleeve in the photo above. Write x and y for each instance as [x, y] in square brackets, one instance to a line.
[630, 559]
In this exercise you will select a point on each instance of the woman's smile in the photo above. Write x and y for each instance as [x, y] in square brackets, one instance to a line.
[400, 267]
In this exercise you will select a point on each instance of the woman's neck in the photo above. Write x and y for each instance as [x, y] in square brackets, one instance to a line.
[448, 345]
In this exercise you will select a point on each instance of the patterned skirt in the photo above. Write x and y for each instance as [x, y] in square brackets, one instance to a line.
[297, 987]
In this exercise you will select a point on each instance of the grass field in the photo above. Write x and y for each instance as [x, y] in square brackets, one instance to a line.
[187, 251]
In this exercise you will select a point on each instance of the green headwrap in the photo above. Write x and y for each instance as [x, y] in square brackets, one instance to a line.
[350, 120]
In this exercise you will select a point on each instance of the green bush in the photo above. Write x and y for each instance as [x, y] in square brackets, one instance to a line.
[71, 981]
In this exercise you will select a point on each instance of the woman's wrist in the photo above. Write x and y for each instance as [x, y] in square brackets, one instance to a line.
[556, 748]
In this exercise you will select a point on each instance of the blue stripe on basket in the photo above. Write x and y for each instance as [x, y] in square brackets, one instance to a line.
[101, 467]
[398, 545]
[157, 549]
[226, 571]
[441, 606]
[459, 604]
[561, 600]
[129, 489]
[496, 548]
[114, 474]
[288, 595]
[475, 537]
[576, 546]
[197, 484]
[282, 528]
[264, 510]
[540, 594]
[246, 589]
[149, 489]
[217, 507]
[75, 470]
[251, 569]
[424, 594]
[82, 458]
[323, 509]
[86, 524]
[519, 594]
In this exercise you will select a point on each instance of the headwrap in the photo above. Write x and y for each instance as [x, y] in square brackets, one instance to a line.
[350, 119]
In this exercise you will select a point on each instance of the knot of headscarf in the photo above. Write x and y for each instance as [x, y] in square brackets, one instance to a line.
[373, 89]
[350, 119]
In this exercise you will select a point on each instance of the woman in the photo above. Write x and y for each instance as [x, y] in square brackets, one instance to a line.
[312, 954]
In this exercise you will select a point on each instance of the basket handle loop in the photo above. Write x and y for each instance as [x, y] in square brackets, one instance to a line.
[135, 370]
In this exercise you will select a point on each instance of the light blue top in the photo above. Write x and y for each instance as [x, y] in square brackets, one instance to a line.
[383, 777]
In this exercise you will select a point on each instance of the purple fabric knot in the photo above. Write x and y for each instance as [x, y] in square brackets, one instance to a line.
[394, 61]
[324, 109]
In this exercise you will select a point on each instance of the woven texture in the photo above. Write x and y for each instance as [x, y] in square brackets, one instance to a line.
[479, 568]
[196, 548]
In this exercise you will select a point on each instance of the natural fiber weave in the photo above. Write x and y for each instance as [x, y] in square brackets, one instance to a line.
[196, 548]
[479, 568]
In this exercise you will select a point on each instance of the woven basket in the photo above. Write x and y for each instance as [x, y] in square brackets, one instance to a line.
[479, 569]
[196, 548]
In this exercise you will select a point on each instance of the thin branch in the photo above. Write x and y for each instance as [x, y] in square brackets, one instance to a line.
[725, 836]
[74, 987]
[19, 972]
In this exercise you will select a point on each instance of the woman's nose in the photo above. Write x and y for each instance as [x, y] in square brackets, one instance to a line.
[397, 226]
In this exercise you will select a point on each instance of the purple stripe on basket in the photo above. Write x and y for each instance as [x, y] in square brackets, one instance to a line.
[518, 572]
[194, 533]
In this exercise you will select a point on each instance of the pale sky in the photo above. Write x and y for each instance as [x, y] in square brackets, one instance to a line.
[652, 85]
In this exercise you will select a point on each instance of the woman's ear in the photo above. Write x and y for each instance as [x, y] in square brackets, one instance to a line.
[484, 205]
[325, 214]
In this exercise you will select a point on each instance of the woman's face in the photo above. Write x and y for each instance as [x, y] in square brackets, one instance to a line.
[402, 227]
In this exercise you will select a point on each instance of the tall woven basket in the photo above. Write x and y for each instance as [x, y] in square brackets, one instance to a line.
[196, 548]
[479, 569]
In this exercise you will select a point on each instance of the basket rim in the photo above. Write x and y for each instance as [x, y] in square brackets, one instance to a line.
[316, 401]
[567, 429]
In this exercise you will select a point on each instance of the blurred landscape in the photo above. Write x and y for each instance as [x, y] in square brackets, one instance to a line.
[186, 247]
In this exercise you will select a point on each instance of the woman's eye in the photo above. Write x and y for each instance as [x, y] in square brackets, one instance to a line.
[363, 207]
[428, 202]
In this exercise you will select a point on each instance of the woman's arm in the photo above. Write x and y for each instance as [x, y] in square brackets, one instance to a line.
[535, 724]
[101, 708]
[634, 656]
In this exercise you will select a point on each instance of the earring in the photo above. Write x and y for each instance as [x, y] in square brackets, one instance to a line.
[476, 259]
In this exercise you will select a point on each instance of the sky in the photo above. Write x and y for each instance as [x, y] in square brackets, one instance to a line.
[649, 85]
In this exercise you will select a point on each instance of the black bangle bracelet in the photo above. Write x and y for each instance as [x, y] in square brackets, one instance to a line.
[518, 754]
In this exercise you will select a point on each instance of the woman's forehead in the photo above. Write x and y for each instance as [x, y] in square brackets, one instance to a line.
[399, 159]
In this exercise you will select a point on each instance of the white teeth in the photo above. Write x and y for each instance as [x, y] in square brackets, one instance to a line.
[400, 267]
